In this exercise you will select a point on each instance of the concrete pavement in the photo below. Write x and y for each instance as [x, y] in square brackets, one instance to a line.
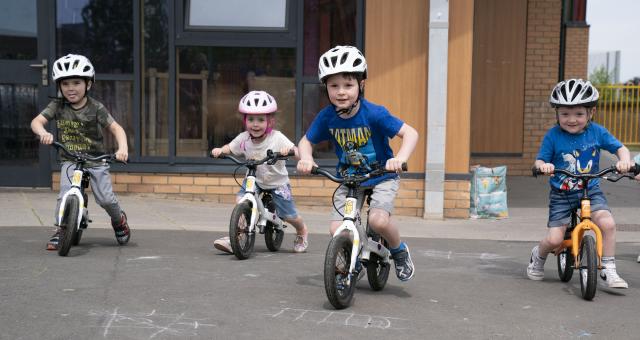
[527, 201]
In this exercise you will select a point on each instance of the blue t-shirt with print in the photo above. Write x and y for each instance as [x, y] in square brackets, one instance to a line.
[577, 153]
[369, 130]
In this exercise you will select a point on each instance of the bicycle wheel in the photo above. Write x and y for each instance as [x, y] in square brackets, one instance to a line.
[378, 270]
[69, 225]
[565, 265]
[336, 272]
[76, 237]
[273, 237]
[241, 240]
[588, 267]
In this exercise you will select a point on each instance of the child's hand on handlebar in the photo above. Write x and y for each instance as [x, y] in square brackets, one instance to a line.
[394, 164]
[624, 166]
[122, 155]
[288, 151]
[305, 165]
[46, 138]
[547, 168]
[216, 152]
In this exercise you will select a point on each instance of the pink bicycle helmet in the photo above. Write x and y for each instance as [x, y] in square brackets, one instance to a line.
[258, 103]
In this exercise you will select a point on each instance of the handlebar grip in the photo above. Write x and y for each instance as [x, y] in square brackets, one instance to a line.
[291, 153]
[405, 167]
[635, 169]
[221, 156]
[535, 172]
[314, 170]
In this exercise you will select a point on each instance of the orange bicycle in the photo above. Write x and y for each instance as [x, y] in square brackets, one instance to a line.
[579, 250]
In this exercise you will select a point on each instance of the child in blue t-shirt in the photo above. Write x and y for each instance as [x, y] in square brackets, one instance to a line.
[574, 144]
[351, 122]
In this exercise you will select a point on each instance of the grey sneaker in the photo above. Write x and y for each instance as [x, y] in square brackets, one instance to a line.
[535, 269]
[404, 264]
[611, 279]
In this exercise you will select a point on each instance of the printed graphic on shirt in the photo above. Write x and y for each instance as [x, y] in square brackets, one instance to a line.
[69, 131]
[352, 141]
[578, 162]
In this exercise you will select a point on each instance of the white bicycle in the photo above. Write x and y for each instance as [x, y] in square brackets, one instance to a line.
[73, 215]
[346, 255]
[255, 209]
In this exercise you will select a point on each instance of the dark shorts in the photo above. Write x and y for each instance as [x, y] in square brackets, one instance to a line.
[562, 203]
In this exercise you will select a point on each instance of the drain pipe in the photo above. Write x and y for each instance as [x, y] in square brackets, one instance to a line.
[436, 109]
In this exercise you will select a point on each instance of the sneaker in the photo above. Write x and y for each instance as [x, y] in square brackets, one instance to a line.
[54, 240]
[638, 259]
[300, 244]
[611, 279]
[223, 244]
[535, 269]
[122, 231]
[403, 263]
[361, 270]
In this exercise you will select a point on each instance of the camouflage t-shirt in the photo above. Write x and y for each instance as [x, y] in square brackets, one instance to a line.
[80, 130]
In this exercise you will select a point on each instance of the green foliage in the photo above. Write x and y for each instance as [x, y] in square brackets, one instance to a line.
[600, 76]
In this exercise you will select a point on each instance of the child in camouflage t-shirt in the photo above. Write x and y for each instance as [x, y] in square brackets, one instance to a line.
[79, 121]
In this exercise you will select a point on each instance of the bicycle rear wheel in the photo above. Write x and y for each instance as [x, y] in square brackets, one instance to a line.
[565, 265]
[336, 272]
[377, 268]
[273, 237]
[239, 236]
[588, 267]
[69, 225]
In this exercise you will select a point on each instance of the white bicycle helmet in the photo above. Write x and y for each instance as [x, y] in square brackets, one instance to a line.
[341, 59]
[574, 92]
[73, 66]
[257, 103]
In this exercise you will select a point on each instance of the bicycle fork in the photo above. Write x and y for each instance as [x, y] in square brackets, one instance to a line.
[76, 184]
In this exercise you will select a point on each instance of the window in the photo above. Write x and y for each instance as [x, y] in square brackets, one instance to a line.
[211, 81]
[237, 14]
[18, 30]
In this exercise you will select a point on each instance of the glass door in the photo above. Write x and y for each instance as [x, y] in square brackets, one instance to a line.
[24, 85]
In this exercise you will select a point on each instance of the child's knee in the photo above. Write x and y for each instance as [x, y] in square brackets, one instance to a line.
[379, 219]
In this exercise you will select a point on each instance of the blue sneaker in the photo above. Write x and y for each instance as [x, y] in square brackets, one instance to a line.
[403, 263]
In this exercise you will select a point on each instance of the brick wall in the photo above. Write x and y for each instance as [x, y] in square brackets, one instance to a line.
[577, 52]
[541, 74]
[308, 192]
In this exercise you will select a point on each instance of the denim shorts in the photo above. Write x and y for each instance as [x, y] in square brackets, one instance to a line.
[282, 198]
[562, 203]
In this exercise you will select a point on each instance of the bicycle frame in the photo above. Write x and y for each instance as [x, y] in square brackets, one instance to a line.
[76, 190]
[259, 214]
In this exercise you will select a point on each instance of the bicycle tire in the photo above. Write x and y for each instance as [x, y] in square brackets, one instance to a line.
[336, 270]
[69, 225]
[273, 237]
[588, 267]
[378, 270]
[76, 237]
[241, 240]
[565, 265]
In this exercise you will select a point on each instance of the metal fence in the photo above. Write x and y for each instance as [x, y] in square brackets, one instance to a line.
[619, 112]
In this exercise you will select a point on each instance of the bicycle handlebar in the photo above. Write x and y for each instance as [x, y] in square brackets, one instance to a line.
[270, 159]
[635, 169]
[353, 178]
[80, 157]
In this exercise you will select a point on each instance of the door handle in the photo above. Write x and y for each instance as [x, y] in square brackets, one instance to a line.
[45, 71]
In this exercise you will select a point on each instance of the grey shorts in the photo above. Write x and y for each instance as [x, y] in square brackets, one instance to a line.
[384, 193]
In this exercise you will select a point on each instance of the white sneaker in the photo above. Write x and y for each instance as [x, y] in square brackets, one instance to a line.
[223, 244]
[611, 279]
[300, 244]
[535, 269]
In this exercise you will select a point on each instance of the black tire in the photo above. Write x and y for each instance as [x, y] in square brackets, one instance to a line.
[76, 237]
[336, 267]
[588, 267]
[565, 265]
[241, 240]
[378, 270]
[273, 237]
[69, 225]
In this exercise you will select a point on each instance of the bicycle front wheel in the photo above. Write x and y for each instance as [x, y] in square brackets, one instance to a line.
[336, 272]
[588, 267]
[69, 225]
[239, 236]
